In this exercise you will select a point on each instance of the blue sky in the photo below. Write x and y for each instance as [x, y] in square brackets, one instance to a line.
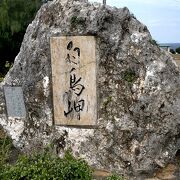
[162, 17]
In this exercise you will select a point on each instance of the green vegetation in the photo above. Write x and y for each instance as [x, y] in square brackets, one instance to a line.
[1, 78]
[153, 42]
[47, 166]
[115, 177]
[14, 18]
[5, 149]
[129, 76]
[43, 165]
[108, 100]
[172, 51]
[178, 50]
[6, 67]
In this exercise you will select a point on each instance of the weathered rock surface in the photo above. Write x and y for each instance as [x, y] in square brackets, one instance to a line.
[138, 125]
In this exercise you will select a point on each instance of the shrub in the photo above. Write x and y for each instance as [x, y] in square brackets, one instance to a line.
[5, 147]
[47, 166]
[1, 79]
[6, 68]
[153, 42]
[178, 50]
[115, 177]
[172, 51]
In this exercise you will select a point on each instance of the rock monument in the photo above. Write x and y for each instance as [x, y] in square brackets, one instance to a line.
[89, 77]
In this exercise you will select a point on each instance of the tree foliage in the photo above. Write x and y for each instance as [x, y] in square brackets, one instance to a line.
[15, 15]
[178, 50]
[172, 51]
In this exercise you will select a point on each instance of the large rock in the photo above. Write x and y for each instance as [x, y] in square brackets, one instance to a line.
[138, 90]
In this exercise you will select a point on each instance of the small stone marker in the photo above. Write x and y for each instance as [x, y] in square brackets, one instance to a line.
[14, 102]
[74, 80]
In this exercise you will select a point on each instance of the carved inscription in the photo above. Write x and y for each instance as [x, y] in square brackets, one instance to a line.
[14, 102]
[74, 80]
[76, 87]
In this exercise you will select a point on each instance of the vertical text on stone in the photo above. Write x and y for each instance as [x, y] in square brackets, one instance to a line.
[73, 62]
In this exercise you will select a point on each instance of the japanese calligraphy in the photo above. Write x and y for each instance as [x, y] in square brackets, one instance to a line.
[74, 80]
[74, 103]
[73, 57]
